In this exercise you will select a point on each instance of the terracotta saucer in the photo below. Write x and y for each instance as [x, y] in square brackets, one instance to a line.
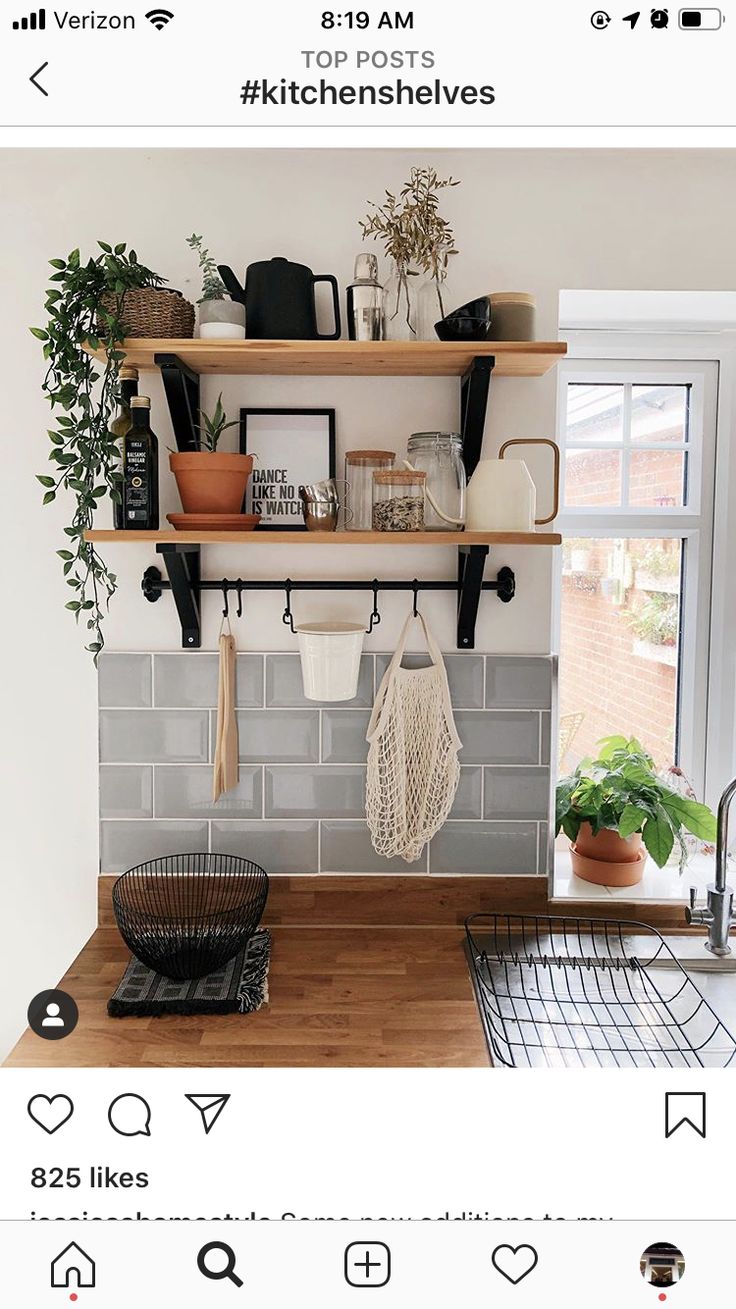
[214, 522]
[605, 874]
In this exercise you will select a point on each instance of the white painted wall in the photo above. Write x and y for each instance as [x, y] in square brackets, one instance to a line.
[525, 220]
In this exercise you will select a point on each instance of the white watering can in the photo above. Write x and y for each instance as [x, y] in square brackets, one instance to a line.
[501, 494]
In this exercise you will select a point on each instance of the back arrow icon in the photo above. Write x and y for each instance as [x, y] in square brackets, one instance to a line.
[32, 79]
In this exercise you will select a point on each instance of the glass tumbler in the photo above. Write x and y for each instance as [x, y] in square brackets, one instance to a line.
[360, 465]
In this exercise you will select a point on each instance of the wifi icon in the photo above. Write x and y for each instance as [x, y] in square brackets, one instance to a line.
[160, 18]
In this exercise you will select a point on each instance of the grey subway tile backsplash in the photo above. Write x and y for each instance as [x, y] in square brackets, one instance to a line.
[299, 806]
[122, 845]
[346, 848]
[517, 793]
[185, 791]
[277, 735]
[124, 681]
[546, 853]
[464, 676]
[498, 737]
[126, 791]
[156, 736]
[319, 792]
[505, 849]
[343, 736]
[284, 687]
[518, 682]
[189, 681]
[278, 847]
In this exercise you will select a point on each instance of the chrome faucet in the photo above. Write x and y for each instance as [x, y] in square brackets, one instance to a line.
[718, 914]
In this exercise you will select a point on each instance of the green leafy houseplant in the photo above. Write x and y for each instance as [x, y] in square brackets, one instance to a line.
[212, 427]
[620, 791]
[85, 307]
[213, 287]
[657, 621]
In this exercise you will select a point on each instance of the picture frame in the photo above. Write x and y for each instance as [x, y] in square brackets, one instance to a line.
[294, 447]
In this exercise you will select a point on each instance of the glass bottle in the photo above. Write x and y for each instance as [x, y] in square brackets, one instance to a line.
[360, 465]
[440, 456]
[434, 302]
[399, 308]
[140, 469]
[119, 426]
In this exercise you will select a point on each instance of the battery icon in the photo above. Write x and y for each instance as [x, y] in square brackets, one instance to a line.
[701, 20]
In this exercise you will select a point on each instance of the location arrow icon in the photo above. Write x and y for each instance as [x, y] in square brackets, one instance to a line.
[633, 19]
[210, 1107]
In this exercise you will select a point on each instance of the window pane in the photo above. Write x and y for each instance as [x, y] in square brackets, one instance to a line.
[621, 615]
[592, 477]
[594, 412]
[660, 414]
[657, 479]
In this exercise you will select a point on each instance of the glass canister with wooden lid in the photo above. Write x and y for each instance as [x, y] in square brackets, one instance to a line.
[398, 501]
[360, 465]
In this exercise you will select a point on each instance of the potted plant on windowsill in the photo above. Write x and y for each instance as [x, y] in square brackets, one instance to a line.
[613, 805]
[210, 481]
[220, 318]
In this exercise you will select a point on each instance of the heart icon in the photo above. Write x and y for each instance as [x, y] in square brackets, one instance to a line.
[514, 1262]
[50, 1111]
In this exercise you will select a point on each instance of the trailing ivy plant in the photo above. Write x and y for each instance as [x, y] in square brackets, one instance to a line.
[621, 790]
[85, 307]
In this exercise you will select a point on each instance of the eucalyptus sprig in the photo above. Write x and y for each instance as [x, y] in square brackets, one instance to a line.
[389, 224]
[213, 287]
[431, 236]
[85, 307]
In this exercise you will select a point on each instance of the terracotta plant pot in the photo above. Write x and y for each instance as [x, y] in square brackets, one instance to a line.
[608, 859]
[211, 483]
[608, 846]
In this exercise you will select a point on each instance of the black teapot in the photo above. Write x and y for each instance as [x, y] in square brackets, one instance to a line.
[280, 302]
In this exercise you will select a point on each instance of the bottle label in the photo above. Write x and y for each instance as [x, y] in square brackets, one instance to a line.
[136, 473]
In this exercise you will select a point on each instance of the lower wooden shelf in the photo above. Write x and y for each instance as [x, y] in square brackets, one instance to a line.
[300, 539]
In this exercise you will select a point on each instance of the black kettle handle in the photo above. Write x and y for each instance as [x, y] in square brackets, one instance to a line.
[232, 285]
[327, 277]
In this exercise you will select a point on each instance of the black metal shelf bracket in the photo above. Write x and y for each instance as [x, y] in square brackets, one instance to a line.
[181, 387]
[474, 395]
[182, 563]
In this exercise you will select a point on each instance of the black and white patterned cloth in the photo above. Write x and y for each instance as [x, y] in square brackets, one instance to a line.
[240, 987]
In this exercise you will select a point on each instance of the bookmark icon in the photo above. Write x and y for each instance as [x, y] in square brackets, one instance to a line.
[210, 1108]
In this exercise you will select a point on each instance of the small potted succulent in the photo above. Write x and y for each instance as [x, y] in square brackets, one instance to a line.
[210, 481]
[612, 806]
[220, 318]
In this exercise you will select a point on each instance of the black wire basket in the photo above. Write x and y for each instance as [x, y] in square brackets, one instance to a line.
[187, 915]
[588, 993]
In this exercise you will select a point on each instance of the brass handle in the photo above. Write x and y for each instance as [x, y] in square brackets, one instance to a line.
[540, 440]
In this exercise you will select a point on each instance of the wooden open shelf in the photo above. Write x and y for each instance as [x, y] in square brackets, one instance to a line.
[330, 538]
[349, 358]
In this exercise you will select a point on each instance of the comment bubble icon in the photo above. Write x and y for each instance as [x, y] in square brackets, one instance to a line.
[130, 1115]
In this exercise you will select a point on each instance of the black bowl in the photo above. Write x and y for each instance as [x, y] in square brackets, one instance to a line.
[480, 308]
[463, 329]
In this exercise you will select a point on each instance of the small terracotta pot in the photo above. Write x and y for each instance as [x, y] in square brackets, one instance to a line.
[211, 483]
[607, 873]
[607, 846]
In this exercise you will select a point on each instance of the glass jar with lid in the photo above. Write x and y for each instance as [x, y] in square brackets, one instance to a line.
[440, 456]
[398, 501]
[360, 465]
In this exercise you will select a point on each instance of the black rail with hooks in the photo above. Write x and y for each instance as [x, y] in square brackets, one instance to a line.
[178, 560]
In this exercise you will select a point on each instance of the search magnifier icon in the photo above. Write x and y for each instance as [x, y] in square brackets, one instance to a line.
[218, 1273]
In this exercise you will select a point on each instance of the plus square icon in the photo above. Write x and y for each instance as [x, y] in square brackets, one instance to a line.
[367, 1263]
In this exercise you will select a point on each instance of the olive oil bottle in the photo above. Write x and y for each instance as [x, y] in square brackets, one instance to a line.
[140, 469]
[120, 426]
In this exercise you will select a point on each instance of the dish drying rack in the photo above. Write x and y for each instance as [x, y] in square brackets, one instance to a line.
[588, 993]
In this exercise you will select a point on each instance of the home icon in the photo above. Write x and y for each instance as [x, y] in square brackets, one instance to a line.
[73, 1268]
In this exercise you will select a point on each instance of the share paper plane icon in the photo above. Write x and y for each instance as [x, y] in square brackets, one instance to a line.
[210, 1107]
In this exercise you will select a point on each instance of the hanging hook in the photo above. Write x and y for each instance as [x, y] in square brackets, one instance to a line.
[239, 586]
[287, 616]
[226, 610]
[375, 616]
[415, 589]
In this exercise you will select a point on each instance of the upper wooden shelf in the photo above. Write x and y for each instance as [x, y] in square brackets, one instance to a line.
[349, 358]
[331, 538]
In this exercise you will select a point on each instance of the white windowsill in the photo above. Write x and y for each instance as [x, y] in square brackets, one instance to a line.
[658, 885]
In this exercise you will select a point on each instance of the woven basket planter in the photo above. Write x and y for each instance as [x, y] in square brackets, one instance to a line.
[153, 312]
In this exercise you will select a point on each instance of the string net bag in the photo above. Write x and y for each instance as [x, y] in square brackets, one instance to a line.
[413, 768]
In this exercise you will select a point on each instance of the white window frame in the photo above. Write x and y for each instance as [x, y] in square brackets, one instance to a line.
[693, 523]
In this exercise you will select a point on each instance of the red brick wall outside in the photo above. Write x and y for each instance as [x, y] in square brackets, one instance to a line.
[600, 673]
